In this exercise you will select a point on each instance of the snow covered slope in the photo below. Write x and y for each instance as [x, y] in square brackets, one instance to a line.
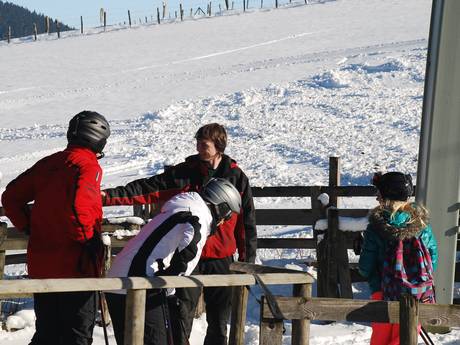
[293, 86]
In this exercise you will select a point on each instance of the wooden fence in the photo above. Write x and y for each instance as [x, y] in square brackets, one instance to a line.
[301, 308]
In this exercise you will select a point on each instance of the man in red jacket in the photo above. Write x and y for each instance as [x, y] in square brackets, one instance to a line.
[64, 226]
[238, 233]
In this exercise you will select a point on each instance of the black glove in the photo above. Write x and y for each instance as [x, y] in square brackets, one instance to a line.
[26, 230]
[94, 245]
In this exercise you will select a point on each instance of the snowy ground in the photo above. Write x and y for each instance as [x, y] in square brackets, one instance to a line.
[293, 86]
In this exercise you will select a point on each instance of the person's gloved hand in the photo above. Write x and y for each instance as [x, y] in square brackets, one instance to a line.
[26, 230]
[94, 245]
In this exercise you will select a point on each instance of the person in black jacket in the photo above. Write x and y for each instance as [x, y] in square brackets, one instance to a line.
[239, 233]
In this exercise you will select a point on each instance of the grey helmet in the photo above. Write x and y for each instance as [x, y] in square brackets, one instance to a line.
[89, 129]
[223, 198]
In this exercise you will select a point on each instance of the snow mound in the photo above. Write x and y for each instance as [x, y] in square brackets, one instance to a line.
[23, 318]
[331, 80]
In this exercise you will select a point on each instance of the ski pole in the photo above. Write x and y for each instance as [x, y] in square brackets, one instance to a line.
[104, 325]
[425, 337]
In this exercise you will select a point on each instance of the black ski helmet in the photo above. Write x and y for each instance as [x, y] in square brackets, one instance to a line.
[394, 185]
[88, 129]
[223, 197]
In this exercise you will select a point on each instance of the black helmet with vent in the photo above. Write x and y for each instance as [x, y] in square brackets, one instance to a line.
[89, 129]
[223, 198]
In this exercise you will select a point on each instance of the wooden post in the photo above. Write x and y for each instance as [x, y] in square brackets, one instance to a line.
[334, 179]
[244, 5]
[408, 318]
[181, 12]
[164, 9]
[318, 210]
[261, 3]
[238, 319]
[3, 234]
[271, 330]
[158, 15]
[301, 328]
[210, 8]
[35, 31]
[58, 28]
[276, 3]
[135, 317]
[129, 18]
[175, 14]
[9, 34]
[226, 5]
[331, 284]
[47, 25]
[145, 19]
[105, 20]
[81, 25]
[191, 12]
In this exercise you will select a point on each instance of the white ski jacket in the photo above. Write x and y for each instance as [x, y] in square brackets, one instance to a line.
[170, 244]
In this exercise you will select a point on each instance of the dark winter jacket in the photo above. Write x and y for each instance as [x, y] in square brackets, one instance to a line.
[67, 212]
[239, 232]
[382, 229]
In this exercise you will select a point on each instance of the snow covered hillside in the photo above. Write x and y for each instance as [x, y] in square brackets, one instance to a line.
[293, 86]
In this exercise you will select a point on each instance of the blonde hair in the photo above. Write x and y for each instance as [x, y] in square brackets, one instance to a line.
[418, 213]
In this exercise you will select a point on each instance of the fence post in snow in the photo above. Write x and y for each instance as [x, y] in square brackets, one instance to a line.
[164, 9]
[158, 15]
[129, 18]
[58, 28]
[135, 317]
[244, 5]
[181, 12]
[408, 318]
[226, 5]
[81, 25]
[238, 319]
[276, 3]
[261, 3]
[35, 31]
[301, 327]
[47, 24]
[270, 330]
[105, 20]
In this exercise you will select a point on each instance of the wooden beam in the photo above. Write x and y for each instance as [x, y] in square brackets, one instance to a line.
[363, 311]
[12, 287]
[284, 216]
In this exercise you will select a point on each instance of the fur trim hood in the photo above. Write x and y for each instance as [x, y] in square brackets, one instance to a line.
[401, 225]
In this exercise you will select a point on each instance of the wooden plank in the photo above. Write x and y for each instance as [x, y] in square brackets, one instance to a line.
[135, 317]
[12, 287]
[270, 330]
[284, 217]
[292, 243]
[363, 311]
[244, 267]
[331, 268]
[408, 316]
[285, 191]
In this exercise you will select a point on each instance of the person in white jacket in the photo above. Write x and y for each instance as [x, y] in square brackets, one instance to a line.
[170, 244]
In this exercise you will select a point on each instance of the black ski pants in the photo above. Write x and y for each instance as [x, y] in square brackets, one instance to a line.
[218, 304]
[64, 318]
[156, 317]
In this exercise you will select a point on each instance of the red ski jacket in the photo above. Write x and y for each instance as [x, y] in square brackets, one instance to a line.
[67, 212]
[239, 232]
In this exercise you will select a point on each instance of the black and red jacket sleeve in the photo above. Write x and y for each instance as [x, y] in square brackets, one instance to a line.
[153, 190]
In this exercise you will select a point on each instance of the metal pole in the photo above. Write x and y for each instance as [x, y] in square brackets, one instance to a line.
[438, 176]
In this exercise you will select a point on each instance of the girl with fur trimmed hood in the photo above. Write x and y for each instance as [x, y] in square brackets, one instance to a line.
[395, 218]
